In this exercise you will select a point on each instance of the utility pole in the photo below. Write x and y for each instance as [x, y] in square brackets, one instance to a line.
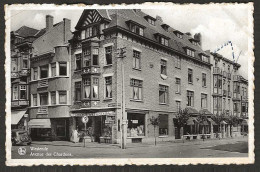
[121, 54]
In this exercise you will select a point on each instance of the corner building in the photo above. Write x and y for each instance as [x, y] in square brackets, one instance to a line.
[164, 70]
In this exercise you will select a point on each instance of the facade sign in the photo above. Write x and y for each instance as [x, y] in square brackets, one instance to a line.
[110, 113]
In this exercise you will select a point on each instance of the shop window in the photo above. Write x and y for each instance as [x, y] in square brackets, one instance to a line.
[34, 99]
[178, 62]
[95, 56]
[163, 94]
[190, 98]
[178, 85]
[23, 92]
[77, 91]
[44, 71]
[136, 125]
[86, 89]
[164, 67]
[137, 86]
[61, 128]
[63, 68]
[108, 55]
[136, 59]
[178, 106]
[203, 101]
[63, 97]
[78, 61]
[15, 92]
[43, 98]
[95, 88]
[53, 98]
[163, 125]
[35, 73]
[204, 80]
[108, 90]
[190, 76]
[53, 69]
[190, 53]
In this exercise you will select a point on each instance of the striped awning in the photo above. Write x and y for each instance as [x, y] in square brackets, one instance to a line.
[39, 123]
[212, 122]
[16, 116]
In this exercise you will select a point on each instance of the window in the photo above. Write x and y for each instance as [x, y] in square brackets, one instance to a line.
[178, 62]
[136, 124]
[164, 41]
[190, 53]
[95, 56]
[137, 29]
[53, 69]
[190, 76]
[23, 92]
[108, 90]
[86, 89]
[215, 102]
[236, 107]
[14, 64]
[86, 57]
[164, 67]
[78, 61]
[83, 36]
[151, 21]
[228, 68]
[228, 104]
[224, 103]
[15, 92]
[53, 98]
[137, 86]
[224, 66]
[89, 32]
[61, 128]
[108, 55]
[224, 84]
[34, 99]
[243, 108]
[215, 81]
[44, 71]
[63, 68]
[179, 35]
[95, 88]
[205, 58]
[178, 106]
[228, 86]
[77, 91]
[43, 98]
[178, 85]
[136, 59]
[163, 94]
[35, 73]
[203, 100]
[63, 97]
[25, 62]
[219, 82]
[190, 98]
[204, 78]
[163, 124]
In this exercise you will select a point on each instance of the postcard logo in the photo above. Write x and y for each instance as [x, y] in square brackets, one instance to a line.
[22, 151]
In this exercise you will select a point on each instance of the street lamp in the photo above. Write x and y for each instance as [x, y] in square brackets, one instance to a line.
[121, 54]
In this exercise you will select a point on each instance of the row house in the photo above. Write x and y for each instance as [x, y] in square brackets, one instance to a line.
[164, 70]
[21, 52]
[50, 83]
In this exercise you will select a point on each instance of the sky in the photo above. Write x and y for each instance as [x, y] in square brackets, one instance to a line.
[217, 25]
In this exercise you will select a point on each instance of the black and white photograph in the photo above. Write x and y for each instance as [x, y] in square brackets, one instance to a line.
[129, 84]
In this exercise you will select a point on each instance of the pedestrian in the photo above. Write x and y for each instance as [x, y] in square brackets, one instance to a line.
[75, 136]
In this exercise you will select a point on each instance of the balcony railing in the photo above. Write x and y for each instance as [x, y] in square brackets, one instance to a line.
[90, 70]
[24, 72]
[43, 83]
[19, 103]
[229, 75]
[229, 94]
[217, 70]
[224, 92]
[236, 78]
[43, 110]
[14, 75]
[236, 95]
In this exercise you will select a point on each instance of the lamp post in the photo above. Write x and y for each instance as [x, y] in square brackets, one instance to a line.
[121, 54]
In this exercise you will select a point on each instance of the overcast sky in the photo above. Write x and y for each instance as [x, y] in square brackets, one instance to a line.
[217, 25]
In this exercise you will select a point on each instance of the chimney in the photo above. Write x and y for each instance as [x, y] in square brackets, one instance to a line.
[188, 33]
[49, 22]
[159, 18]
[197, 36]
[67, 32]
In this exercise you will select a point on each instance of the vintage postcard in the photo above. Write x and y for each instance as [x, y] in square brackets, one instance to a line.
[144, 84]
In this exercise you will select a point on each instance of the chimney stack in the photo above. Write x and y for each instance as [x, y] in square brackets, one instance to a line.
[49, 22]
[197, 36]
[159, 18]
[67, 32]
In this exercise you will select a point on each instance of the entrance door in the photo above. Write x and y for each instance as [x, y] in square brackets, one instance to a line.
[97, 128]
[176, 130]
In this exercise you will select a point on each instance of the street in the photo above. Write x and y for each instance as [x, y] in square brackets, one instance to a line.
[231, 147]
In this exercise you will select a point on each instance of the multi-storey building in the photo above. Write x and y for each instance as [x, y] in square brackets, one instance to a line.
[50, 82]
[162, 71]
[21, 50]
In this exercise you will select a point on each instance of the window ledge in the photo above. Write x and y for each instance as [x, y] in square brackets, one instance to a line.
[133, 100]
[49, 105]
[49, 78]
[107, 99]
[177, 67]
[204, 86]
[137, 69]
[163, 76]
[190, 83]
[178, 93]
[77, 70]
[163, 104]
[163, 136]
[108, 65]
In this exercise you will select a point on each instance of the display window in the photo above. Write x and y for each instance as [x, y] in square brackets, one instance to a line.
[136, 125]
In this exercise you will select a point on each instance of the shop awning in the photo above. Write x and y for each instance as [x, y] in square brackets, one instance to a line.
[205, 111]
[204, 123]
[191, 110]
[191, 121]
[39, 123]
[212, 122]
[109, 113]
[223, 122]
[16, 116]
[244, 122]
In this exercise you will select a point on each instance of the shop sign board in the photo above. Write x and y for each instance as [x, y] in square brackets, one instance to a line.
[109, 113]
[85, 119]
[135, 121]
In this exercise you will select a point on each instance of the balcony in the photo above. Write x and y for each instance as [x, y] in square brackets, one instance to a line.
[91, 70]
[229, 75]
[43, 83]
[236, 96]
[236, 78]
[14, 75]
[225, 93]
[229, 94]
[16, 103]
[24, 72]
[224, 74]
[42, 110]
[217, 70]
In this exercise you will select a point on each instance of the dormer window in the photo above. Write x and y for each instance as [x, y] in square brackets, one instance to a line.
[136, 27]
[162, 39]
[194, 41]
[205, 58]
[150, 20]
[190, 52]
[165, 27]
[89, 32]
[178, 34]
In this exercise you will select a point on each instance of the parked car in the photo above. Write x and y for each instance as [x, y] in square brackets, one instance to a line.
[20, 137]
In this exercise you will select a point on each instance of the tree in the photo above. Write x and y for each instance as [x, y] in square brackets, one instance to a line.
[233, 121]
[217, 119]
[155, 122]
[181, 119]
[202, 118]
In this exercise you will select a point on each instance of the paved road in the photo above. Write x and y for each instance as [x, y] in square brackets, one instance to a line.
[62, 149]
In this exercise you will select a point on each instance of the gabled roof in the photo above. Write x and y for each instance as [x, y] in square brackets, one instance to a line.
[26, 31]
